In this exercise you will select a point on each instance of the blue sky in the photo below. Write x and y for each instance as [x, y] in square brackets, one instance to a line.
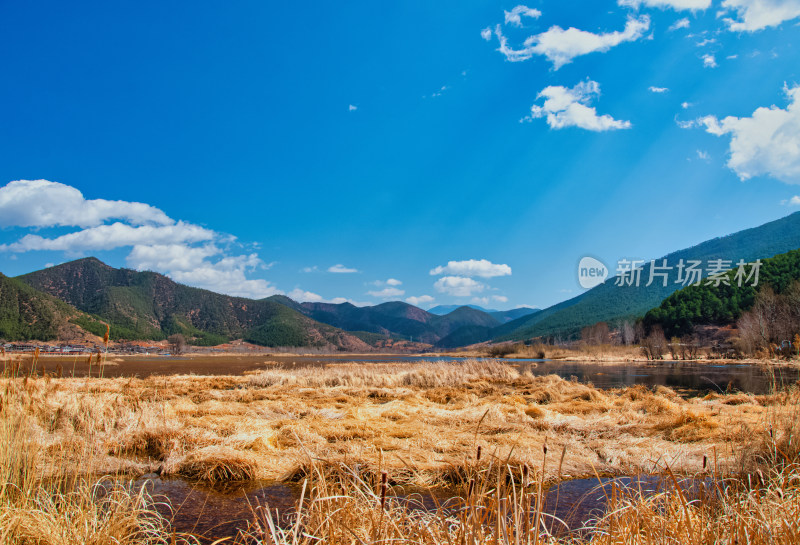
[335, 151]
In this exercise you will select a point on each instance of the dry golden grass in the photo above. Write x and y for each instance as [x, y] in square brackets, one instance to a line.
[42, 503]
[418, 423]
[418, 420]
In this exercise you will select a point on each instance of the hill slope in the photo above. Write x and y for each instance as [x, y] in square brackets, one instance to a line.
[608, 302]
[27, 314]
[394, 319]
[721, 305]
[147, 305]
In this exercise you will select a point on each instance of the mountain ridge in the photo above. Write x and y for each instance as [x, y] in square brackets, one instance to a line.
[607, 302]
[143, 305]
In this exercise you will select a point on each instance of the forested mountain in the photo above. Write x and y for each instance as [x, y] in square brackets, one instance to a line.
[393, 319]
[504, 316]
[722, 304]
[609, 302]
[27, 314]
[147, 305]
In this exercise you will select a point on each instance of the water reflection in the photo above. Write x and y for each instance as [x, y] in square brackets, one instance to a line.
[689, 378]
[212, 513]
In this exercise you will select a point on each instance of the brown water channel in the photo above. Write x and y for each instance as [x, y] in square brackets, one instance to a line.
[215, 512]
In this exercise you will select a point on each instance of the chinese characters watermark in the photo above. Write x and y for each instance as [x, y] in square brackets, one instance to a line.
[688, 273]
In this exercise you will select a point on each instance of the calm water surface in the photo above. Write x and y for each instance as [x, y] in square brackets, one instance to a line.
[688, 378]
[213, 513]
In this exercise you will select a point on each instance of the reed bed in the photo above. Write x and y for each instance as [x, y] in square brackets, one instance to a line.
[387, 375]
[352, 432]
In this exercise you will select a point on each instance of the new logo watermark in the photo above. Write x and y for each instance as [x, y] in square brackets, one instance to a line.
[691, 272]
[591, 272]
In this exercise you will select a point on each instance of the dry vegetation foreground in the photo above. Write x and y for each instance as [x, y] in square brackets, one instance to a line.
[417, 424]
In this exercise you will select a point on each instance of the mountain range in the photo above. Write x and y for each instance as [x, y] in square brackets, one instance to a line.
[147, 305]
[86, 294]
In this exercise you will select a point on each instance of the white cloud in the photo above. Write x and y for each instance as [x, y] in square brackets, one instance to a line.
[473, 267]
[116, 235]
[706, 41]
[352, 108]
[753, 15]
[228, 275]
[309, 269]
[709, 61]
[169, 257]
[438, 93]
[185, 252]
[560, 46]
[565, 107]
[514, 17]
[680, 23]
[302, 296]
[458, 286]
[677, 5]
[703, 155]
[658, 90]
[341, 269]
[794, 201]
[388, 282]
[41, 203]
[486, 300]
[486, 33]
[419, 301]
[387, 293]
[686, 105]
[767, 143]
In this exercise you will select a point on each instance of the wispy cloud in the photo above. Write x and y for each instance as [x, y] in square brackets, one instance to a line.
[419, 301]
[473, 267]
[387, 293]
[677, 5]
[658, 90]
[794, 201]
[709, 61]
[680, 23]
[352, 108]
[341, 269]
[387, 282]
[753, 15]
[514, 17]
[561, 46]
[302, 296]
[564, 107]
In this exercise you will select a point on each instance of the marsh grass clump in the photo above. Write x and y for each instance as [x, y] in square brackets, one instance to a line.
[390, 375]
[49, 496]
[217, 465]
